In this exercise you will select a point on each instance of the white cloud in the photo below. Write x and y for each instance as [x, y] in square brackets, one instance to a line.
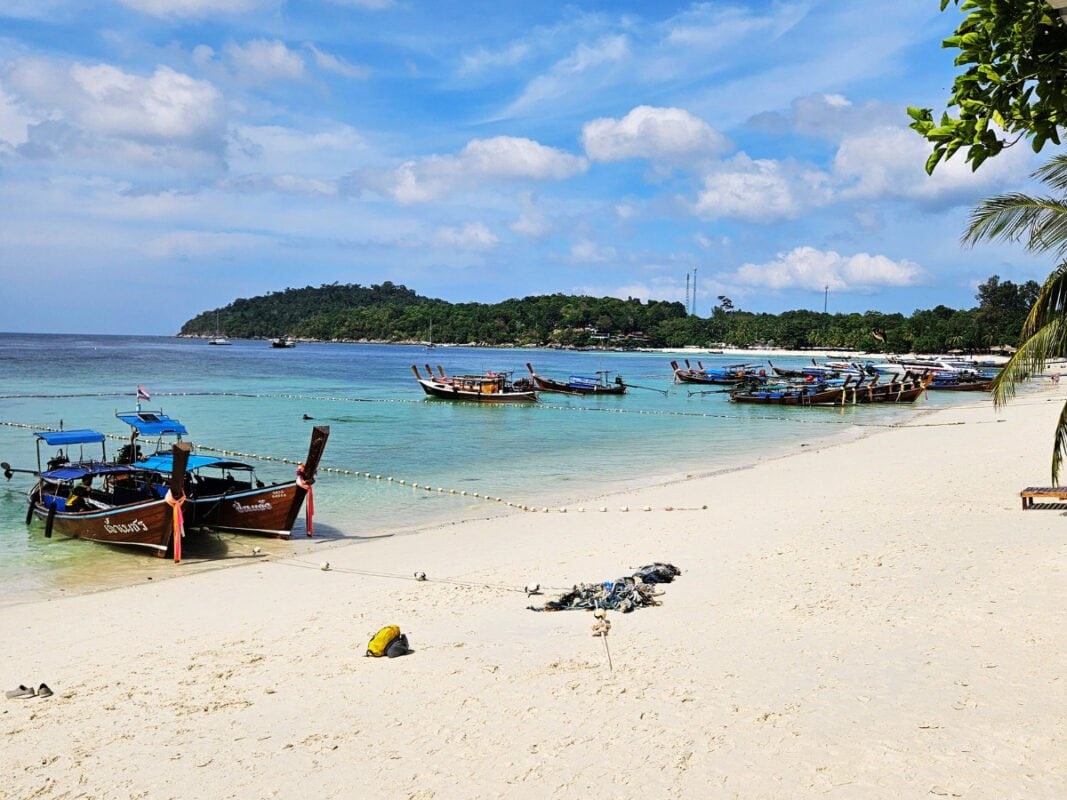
[482, 60]
[590, 252]
[760, 190]
[196, 8]
[168, 105]
[584, 61]
[13, 121]
[808, 268]
[532, 222]
[185, 245]
[658, 134]
[338, 65]
[474, 236]
[889, 162]
[482, 160]
[261, 61]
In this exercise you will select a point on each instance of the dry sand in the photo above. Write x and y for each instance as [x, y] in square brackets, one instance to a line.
[876, 619]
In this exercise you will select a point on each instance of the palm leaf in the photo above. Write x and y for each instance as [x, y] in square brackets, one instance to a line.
[1040, 222]
[1059, 447]
[1050, 303]
[1054, 173]
[1029, 360]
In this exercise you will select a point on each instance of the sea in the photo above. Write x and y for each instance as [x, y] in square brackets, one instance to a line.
[397, 462]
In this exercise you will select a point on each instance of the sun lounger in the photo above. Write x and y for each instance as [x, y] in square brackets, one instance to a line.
[1051, 492]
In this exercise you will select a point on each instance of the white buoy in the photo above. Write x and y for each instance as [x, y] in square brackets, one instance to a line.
[325, 566]
[624, 508]
[562, 509]
[648, 508]
[603, 509]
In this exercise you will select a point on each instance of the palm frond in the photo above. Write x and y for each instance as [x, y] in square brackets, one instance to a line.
[1053, 173]
[1029, 360]
[1050, 303]
[1039, 222]
[1059, 447]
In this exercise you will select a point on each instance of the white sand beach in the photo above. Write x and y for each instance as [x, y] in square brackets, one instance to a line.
[873, 619]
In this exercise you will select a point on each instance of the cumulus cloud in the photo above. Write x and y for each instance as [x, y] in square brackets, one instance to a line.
[826, 116]
[262, 62]
[474, 236]
[889, 162]
[808, 268]
[658, 134]
[760, 190]
[81, 106]
[501, 158]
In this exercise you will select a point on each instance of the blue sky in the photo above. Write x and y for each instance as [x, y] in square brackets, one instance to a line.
[159, 158]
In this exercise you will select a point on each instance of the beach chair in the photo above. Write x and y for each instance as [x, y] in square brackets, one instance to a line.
[1030, 493]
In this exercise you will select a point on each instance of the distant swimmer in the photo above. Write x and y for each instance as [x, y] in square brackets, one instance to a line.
[307, 417]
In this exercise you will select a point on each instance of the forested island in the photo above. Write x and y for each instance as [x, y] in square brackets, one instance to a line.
[394, 313]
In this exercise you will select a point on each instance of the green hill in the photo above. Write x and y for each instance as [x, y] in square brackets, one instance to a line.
[392, 313]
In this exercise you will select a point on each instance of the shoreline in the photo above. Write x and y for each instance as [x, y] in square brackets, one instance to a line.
[874, 617]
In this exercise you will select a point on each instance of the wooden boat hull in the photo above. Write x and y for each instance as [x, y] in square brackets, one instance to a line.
[447, 391]
[907, 392]
[265, 510]
[550, 385]
[147, 525]
[270, 511]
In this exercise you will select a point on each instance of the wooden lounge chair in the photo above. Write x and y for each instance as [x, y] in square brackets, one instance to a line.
[1052, 492]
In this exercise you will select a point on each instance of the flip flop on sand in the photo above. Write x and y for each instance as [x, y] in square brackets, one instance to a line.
[22, 691]
[44, 691]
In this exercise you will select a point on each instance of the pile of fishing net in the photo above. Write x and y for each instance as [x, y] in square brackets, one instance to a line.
[624, 594]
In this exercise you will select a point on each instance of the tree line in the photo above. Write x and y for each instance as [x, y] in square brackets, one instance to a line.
[394, 313]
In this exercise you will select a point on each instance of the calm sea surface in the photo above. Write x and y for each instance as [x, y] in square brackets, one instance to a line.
[251, 398]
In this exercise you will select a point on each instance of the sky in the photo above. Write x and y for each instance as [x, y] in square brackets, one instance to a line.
[161, 158]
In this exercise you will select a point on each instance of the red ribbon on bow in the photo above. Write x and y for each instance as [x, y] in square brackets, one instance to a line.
[179, 523]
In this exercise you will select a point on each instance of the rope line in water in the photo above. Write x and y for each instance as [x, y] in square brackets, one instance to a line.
[377, 477]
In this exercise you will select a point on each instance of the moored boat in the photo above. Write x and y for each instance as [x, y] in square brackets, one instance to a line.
[579, 384]
[282, 342]
[488, 388]
[730, 374]
[906, 390]
[224, 493]
[129, 506]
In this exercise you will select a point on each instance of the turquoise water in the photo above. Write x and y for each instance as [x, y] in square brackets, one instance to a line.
[251, 398]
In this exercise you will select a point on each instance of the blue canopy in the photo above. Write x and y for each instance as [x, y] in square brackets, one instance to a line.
[73, 472]
[150, 423]
[164, 462]
[64, 438]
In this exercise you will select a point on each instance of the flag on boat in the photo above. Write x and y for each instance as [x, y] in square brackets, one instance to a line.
[142, 393]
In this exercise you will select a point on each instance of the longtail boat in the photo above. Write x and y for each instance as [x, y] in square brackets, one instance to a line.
[488, 388]
[730, 374]
[223, 493]
[579, 384]
[906, 390]
[129, 506]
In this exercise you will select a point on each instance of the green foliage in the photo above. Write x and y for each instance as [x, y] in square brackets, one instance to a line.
[1014, 55]
[390, 313]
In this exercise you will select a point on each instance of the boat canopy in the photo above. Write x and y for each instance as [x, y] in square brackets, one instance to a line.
[64, 438]
[151, 423]
[74, 472]
[164, 462]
